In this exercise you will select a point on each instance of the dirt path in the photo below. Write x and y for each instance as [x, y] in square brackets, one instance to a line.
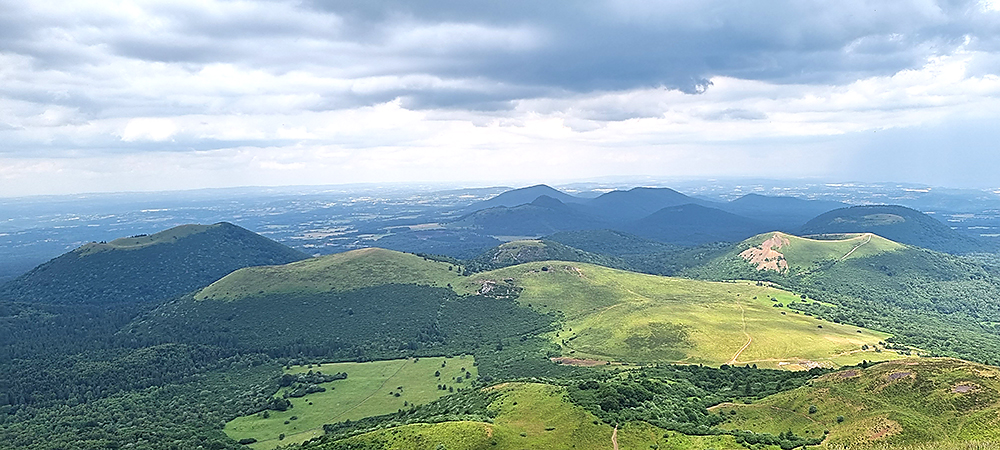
[868, 235]
[743, 317]
[614, 438]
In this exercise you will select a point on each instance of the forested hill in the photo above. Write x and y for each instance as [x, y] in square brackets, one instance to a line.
[899, 223]
[147, 268]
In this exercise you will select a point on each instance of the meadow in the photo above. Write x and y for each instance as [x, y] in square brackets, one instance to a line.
[370, 389]
[614, 315]
[535, 416]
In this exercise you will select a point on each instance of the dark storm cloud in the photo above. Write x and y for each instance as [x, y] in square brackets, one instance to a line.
[619, 45]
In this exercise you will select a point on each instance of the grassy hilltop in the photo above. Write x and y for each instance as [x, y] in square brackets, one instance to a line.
[334, 273]
[603, 314]
[616, 315]
[782, 252]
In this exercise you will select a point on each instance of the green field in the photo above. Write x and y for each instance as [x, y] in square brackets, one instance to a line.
[624, 316]
[369, 390]
[800, 254]
[531, 416]
[907, 404]
[340, 272]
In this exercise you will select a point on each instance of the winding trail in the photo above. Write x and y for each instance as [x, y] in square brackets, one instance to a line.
[614, 438]
[743, 317]
[868, 235]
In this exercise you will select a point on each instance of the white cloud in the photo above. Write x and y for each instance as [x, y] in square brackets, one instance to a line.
[149, 129]
[285, 92]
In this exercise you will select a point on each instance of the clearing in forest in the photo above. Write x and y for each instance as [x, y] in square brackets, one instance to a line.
[370, 389]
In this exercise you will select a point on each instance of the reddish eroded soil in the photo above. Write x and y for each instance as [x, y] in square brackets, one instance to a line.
[766, 256]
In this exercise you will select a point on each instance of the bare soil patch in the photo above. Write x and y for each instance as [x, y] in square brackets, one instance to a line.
[897, 375]
[964, 388]
[766, 256]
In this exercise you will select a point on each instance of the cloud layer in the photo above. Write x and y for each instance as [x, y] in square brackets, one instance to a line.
[111, 95]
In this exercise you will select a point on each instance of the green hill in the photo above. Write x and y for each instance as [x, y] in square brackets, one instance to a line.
[616, 315]
[333, 273]
[906, 404]
[940, 303]
[147, 268]
[899, 223]
[519, 252]
[781, 252]
[361, 305]
[387, 304]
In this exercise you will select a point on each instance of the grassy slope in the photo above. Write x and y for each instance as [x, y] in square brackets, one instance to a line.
[534, 416]
[804, 253]
[138, 242]
[625, 316]
[907, 404]
[610, 314]
[343, 271]
[367, 391]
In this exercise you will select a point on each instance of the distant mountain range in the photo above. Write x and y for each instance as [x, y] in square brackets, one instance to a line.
[667, 216]
[662, 214]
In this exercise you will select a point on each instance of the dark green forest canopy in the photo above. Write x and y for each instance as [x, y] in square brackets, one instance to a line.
[147, 268]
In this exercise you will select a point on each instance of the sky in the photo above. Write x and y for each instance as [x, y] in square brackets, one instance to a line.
[181, 94]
